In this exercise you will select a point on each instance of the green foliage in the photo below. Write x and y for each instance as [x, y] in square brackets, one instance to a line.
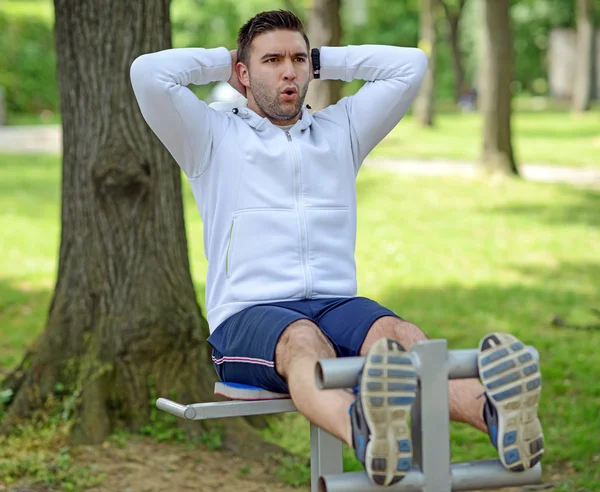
[38, 453]
[165, 427]
[293, 472]
[162, 425]
[532, 22]
[27, 67]
[27, 64]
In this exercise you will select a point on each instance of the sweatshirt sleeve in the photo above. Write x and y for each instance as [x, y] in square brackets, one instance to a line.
[393, 77]
[183, 123]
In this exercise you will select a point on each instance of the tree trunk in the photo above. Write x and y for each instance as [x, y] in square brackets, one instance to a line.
[124, 325]
[583, 83]
[424, 105]
[324, 29]
[495, 93]
[453, 24]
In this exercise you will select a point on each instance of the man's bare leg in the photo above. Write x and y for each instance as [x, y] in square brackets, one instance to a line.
[465, 402]
[300, 347]
[374, 425]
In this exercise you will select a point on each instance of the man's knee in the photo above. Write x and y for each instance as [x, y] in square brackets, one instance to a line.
[301, 338]
[402, 331]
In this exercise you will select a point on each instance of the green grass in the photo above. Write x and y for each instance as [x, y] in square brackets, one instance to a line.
[459, 258]
[41, 9]
[552, 136]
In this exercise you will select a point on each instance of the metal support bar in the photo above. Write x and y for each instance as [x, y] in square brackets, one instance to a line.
[223, 409]
[344, 372]
[474, 475]
[359, 482]
[325, 456]
[433, 426]
[491, 474]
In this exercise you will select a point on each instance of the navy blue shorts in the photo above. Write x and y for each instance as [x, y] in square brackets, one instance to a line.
[244, 344]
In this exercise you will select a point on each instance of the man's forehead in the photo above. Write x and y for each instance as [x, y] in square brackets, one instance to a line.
[279, 41]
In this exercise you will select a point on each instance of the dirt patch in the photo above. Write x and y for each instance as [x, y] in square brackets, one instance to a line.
[144, 466]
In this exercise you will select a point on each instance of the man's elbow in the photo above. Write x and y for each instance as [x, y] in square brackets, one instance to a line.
[139, 69]
[420, 63]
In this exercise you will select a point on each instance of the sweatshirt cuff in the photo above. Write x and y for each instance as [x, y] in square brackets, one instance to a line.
[333, 62]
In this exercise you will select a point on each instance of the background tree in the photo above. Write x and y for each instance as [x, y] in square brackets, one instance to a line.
[324, 29]
[425, 102]
[584, 71]
[495, 92]
[453, 10]
[124, 324]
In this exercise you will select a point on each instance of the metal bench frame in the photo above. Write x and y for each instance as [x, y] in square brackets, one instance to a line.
[433, 470]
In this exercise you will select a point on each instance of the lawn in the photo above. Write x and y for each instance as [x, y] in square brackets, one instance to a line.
[550, 136]
[43, 9]
[460, 258]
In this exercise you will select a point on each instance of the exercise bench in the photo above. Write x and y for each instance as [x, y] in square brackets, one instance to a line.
[432, 469]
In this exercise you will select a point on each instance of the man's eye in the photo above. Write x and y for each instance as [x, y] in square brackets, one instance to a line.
[271, 60]
[300, 59]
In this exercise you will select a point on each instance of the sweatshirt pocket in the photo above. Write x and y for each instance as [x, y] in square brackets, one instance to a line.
[331, 250]
[264, 257]
[229, 247]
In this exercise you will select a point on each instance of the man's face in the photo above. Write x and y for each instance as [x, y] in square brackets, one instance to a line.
[278, 75]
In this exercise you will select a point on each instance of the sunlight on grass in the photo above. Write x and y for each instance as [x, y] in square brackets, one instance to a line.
[544, 137]
[462, 259]
[459, 258]
[43, 10]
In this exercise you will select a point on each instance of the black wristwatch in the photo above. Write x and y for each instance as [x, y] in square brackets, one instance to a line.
[315, 55]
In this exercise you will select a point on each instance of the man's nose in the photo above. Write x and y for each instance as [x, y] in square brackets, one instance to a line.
[289, 71]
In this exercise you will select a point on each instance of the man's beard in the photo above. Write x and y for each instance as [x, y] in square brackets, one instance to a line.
[267, 99]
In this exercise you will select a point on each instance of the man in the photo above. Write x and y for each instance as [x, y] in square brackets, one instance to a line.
[275, 186]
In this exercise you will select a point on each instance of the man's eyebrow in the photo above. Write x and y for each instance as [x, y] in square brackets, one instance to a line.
[279, 55]
[271, 55]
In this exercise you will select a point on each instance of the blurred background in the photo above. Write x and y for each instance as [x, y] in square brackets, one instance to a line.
[479, 212]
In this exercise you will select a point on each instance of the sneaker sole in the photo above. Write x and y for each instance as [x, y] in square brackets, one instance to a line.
[387, 390]
[513, 383]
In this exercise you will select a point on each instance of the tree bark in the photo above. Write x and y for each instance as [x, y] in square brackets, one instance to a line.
[424, 105]
[495, 92]
[124, 325]
[453, 24]
[324, 29]
[584, 72]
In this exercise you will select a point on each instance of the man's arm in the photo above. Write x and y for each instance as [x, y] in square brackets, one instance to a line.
[393, 76]
[184, 124]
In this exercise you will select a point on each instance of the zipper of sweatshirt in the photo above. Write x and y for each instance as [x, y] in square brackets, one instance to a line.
[302, 219]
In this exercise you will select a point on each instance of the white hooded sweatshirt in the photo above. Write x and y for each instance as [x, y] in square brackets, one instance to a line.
[278, 208]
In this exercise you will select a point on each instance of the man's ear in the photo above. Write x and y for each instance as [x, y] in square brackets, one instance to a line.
[243, 74]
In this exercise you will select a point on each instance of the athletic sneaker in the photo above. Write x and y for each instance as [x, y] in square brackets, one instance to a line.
[380, 414]
[513, 384]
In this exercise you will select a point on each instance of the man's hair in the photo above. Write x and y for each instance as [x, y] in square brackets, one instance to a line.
[266, 22]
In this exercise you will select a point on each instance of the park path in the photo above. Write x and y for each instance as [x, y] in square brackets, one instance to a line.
[48, 139]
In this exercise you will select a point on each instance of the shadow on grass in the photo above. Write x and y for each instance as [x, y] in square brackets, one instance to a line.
[569, 358]
[583, 207]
